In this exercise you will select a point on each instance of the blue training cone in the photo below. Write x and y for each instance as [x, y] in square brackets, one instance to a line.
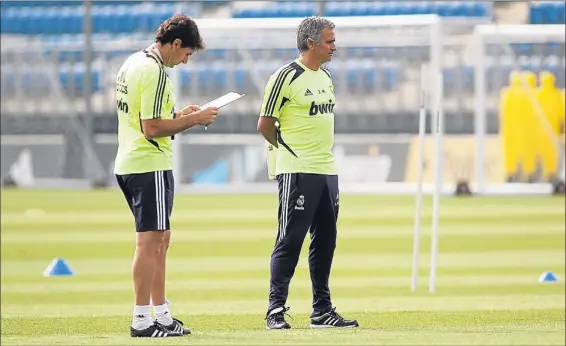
[58, 267]
[547, 277]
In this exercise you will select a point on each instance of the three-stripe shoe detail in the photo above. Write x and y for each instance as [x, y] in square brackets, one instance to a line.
[332, 319]
[158, 334]
[156, 330]
[178, 327]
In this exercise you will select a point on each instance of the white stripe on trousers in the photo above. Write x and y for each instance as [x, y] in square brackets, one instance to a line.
[160, 200]
[285, 194]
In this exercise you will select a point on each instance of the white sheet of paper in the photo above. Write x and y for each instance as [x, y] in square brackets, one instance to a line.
[222, 100]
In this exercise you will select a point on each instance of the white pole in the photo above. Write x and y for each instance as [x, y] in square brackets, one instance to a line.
[479, 111]
[417, 231]
[176, 143]
[437, 185]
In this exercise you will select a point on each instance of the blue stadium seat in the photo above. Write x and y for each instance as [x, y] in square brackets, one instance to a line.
[391, 77]
[335, 9]
[39, 80]
[72, 79]
[106, 18]
[145, 20]
[240, 78]
[9, 21]
[219, 75]
[469, 78]
[31, 3]
[377, 8]
[479, 9]
[446, 9]
[547, 13]
[279, 9]
[522, 48]
[360, 9]
[244, 13]
[458, 79]
[536, 15]
[35, 81]
[186, 77]
[352, 75]
[368, 77]
[449, 79]
[421, 7]
[556, 13]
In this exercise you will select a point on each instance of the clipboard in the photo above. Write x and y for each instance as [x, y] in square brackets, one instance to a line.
[222, 101]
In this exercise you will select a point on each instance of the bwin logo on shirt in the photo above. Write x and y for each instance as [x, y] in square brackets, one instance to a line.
[321, 108]
[122, 106]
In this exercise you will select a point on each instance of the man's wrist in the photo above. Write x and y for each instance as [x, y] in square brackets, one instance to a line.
[192, 118]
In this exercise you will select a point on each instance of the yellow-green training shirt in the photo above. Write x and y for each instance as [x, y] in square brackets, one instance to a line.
[143, 91]
[303, 102]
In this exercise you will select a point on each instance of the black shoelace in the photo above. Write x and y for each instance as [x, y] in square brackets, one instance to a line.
[280, 316]
[334, 314]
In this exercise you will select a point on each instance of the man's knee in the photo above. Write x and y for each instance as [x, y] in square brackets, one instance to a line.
[150, 242]
[165, 241]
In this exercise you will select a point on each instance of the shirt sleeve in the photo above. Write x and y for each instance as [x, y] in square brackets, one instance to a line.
[276, 93]
[152, 90]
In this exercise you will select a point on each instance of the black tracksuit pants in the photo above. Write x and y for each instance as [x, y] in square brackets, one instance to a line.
[307, 202]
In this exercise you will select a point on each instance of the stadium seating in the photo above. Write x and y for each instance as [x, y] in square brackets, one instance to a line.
[551, 12]
[374, 8]
[59, 22]
[38, 81]
[115, 19]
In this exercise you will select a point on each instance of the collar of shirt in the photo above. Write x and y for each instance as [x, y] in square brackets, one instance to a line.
[155, 52]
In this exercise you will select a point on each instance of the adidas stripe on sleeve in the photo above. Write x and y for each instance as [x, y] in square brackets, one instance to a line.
[276, 92]
[152, 90]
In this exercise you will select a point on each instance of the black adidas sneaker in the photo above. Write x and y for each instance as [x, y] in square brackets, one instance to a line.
[332, 319]
[156, 330]
[276, 319]
[177, 327]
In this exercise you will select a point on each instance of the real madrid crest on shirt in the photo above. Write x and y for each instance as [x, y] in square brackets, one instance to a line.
[300, 203]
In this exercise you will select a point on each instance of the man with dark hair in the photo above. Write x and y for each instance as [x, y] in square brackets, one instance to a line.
[143, 166]
[297, 119]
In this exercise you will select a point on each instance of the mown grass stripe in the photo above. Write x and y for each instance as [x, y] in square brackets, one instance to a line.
[194, 235]
[107, 265]
[239, 307]
[203, 294]
[337, 273]
[111, 333]
[70, 285]
[383, 213]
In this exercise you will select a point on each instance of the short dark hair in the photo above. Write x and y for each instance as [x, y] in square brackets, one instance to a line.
[180, 27]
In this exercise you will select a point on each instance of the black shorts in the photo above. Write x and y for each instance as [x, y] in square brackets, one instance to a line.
[150, 198]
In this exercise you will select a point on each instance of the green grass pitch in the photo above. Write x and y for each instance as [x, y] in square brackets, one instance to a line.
[491, 253]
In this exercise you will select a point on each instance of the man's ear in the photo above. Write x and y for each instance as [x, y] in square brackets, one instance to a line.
[310, 43]
[177, 43]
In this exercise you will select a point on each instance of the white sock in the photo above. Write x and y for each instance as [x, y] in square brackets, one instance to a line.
[166, 302]
[141, 318]
[162, 314]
